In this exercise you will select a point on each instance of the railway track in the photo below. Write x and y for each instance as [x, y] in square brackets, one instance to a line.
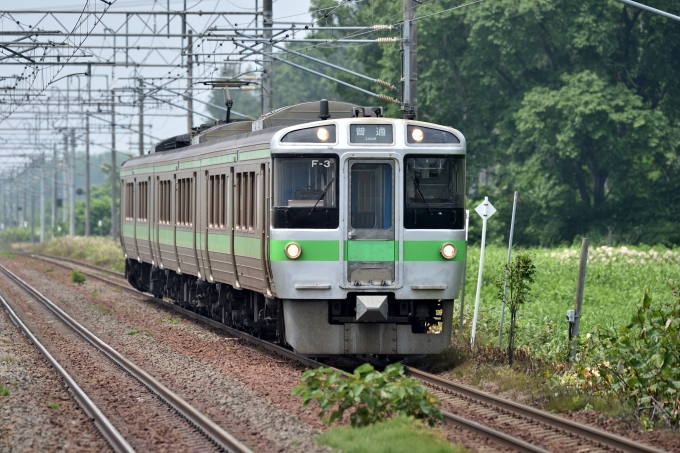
[181, 412]
[549, 431]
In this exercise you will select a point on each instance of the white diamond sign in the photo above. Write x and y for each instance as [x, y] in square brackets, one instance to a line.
[485, 209]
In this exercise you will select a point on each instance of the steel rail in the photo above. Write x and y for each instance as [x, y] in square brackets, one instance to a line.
[579, 429]
[110, 433]
[205, 425]
[494, 435]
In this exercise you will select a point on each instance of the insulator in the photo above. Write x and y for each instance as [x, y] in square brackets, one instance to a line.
[387, 85]
[387, 40]
[382, 27]
[382, 97]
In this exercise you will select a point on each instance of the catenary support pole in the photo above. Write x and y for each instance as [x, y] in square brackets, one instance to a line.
[64, 180]
[268, 75]
[190, 96]
[72, 185]
[113, 173]
[579, 295]
[485, 210]
[53, 223]
[410, 58]
[32, 205]
[87, 174]
[462, 289]
[505, 283]
[141, 117]
[43, 175]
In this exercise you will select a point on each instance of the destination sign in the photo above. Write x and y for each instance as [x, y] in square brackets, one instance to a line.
[370, 133]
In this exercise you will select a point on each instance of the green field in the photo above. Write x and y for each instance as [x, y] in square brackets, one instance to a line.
[615, 281]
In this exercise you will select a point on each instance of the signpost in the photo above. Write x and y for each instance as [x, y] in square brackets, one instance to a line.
[505, 284]
[485, 210]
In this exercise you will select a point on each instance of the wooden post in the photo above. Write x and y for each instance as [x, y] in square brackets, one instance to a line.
[579, 294]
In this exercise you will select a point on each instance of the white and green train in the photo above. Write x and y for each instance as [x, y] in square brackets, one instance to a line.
[344, 236]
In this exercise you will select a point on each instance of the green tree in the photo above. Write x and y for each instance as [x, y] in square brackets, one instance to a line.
[519, 274]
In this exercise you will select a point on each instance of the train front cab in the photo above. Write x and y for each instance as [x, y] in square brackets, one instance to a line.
[367, 241]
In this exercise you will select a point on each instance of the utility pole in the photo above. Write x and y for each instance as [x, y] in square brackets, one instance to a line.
[190, 73]
[267, 76]
[54, 190]
[141, 116]
[42, 197]
[72, 185]
[409, 61]
[32, 207]
[87, 174]
[114, 178]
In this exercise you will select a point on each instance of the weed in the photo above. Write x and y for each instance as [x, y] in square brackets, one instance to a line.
[9, 359]
[148, 334]
[54, 406]
[15, 383]
[133, 332]
[78, 277]
[95, 293]
[398, 435]
[4, 391]
[173, 321]
[104, 310]
[373, 396]
[48, 270]
[5, 340]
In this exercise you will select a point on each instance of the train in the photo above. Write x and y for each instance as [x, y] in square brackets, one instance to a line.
[323, 226]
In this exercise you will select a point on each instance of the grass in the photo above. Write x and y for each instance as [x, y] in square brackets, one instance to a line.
[54, 406]
[173, 321]
[48, 270]
[615, 281]
[133, 332]
[148, 334]
[78, 277]
[4, 391]
[398, 435]
[101, 309]
[101, 251]
[95, 293]
[9, 359]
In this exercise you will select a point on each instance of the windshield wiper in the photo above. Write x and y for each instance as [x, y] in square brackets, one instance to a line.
[417, 186]
[322, 195]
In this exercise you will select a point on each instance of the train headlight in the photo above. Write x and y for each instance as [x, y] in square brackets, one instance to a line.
[448, 251]
[417, 135]
[293, 250]
[322, 134]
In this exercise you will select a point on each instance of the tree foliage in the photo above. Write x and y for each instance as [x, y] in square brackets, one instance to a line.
[576, 105]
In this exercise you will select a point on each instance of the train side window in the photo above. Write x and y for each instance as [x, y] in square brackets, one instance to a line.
[129, 201]
[164, 202]
[142, 204]
[216, 188]
[238, 202]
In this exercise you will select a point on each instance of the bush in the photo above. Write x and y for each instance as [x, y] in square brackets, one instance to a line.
[78, 277]
[639, 362]
[373, 395]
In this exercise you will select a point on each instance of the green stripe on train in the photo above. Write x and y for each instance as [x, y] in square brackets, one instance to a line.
[311, 250]
[247, 246]
[430, 250]
[371, 250]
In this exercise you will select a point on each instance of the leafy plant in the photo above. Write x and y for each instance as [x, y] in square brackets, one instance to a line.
[639, 362]
[78, 277]
[54, 406]
[133, 332]
[519, 274]
[374, 396]
[4, 391]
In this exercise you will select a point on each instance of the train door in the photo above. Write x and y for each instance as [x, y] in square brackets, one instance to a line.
[371, 249]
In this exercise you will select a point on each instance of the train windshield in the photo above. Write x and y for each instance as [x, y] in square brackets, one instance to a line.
[435, 192]
[305, 192]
